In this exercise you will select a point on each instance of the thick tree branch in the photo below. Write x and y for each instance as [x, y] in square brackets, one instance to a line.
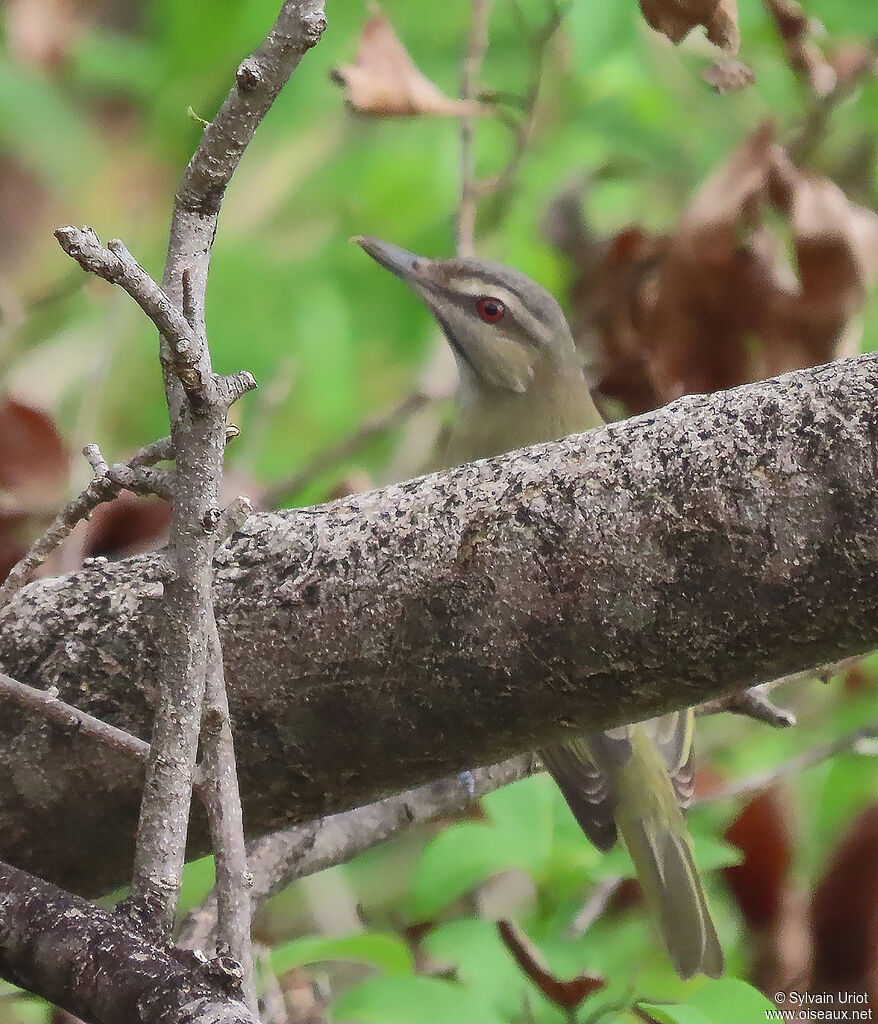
[90, 962]
[390, 638]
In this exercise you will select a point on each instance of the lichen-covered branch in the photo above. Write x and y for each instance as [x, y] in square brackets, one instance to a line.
[395, 637]
[90, 962]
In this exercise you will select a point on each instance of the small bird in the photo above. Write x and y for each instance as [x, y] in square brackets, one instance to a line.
[521, 382]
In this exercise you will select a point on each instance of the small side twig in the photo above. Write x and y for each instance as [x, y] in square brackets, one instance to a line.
[45, 704]
[761, 781]
[752, 703]
[477, 46]
[109, 481]
[278, 859]
[177, 326]
[347, 448]
[222, 802]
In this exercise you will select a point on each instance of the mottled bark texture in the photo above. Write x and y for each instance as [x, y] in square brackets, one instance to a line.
[90, 962]
[390, 638]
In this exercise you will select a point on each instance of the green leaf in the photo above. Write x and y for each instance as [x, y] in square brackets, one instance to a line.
[199, 877]
[730, 1001]
[458, 859]
[387, 953]
[413, 1000]
[726, 1001]
[674, 1014]
[524, 814]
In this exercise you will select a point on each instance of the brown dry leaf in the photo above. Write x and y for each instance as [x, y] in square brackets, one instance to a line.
[844, 914]
[762, 832]
[836, 246]
[715, 303]
[566, 994]
[677, 18]
[34, 462]
[384, 82]
[34, 470]
[126, 526]
[803, 55]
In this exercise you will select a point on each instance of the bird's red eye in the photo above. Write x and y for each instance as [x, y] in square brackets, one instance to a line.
[490, 310]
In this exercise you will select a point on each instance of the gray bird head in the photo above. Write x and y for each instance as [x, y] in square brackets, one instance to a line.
[505, 329]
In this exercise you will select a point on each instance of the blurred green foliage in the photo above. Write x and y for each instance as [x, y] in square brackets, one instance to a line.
[101, 138]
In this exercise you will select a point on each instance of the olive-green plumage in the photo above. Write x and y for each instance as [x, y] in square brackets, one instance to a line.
[521, 382]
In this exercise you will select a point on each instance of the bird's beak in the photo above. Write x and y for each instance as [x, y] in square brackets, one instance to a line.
[406, 265]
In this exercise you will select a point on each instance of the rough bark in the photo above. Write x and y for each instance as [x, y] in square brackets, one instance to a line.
[394, 637]
[92, 963]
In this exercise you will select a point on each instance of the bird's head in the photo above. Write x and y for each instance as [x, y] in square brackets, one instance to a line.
[505, 329]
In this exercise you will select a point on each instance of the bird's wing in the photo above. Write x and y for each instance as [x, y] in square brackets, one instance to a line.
[672, 735]
[574, 767]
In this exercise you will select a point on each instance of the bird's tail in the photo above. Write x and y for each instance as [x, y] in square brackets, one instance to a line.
[669, 878]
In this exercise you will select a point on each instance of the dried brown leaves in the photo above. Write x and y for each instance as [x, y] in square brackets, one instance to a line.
[677, 18]
[383, 81]
[716, 302]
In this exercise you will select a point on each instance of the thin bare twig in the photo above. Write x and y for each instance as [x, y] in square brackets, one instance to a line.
[222, 801]
[754, 702]
[477, 46]
[473, 189]
[278, 859]
[198, 401]
[523, 131]
[812, 130]
[598, 900]
[46, 704]
[108, 483]
[761, 781]
[346, 448]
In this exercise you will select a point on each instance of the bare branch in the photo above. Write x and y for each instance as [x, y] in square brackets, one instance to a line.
[523, 130]
[46, 704]
[347, 448]
[480, 13]
[279, 859]
[90, 962]
[198, 428]
[222, 802]
[108, 483]
[466, 616]
[765, 780]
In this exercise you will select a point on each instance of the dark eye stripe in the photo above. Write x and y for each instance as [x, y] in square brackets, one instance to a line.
[452, 341]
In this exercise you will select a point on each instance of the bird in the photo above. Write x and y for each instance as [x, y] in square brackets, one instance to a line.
[521, 382]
